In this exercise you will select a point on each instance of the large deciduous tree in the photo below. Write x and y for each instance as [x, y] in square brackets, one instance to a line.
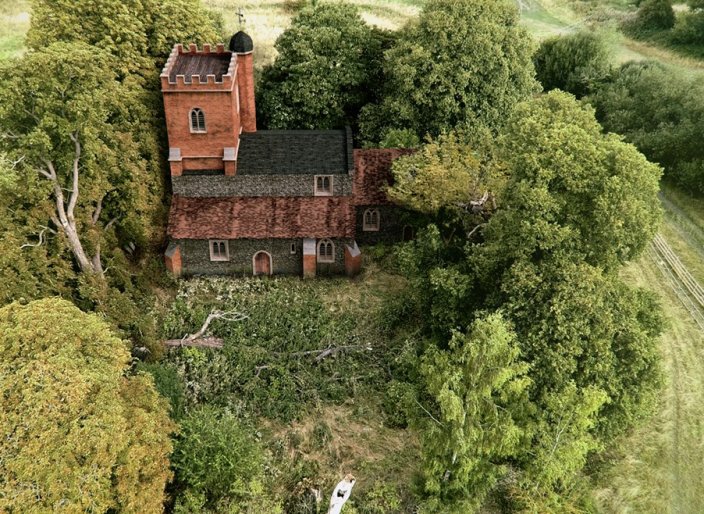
[77, 434]
[328, 66]
[460, 62]
[577, 204]
[576, 63]
[136, 32]
[662, 113]
[67, 124]
[478, 388]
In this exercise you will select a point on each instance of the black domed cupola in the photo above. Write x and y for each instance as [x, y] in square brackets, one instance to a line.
[241, 43]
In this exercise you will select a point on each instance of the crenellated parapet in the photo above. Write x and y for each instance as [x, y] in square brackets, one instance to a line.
[192, 69]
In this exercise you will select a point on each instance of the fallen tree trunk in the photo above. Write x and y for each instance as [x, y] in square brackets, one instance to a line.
[203, 342]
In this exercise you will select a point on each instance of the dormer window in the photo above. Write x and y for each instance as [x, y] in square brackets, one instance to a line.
[326, 251]
[371, 220]
[323, 185]
[197, 120]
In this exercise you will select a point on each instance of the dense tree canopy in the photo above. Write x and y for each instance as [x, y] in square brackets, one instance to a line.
[327, 68]
[573, 190]
[76, 433]
[576, 205]
[136, 32]
[461, 61]
[660, 112]
[449, 172]
[576, 63]
[67, 122]
[479, 389]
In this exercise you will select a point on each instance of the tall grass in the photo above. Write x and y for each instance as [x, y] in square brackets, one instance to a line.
[14, 22]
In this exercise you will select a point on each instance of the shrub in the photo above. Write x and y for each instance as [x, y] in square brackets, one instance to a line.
[653, 15]
[575, 63]
[217, 457]
[169, 385]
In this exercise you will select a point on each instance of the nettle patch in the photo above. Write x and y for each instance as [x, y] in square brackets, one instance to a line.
[292, 349]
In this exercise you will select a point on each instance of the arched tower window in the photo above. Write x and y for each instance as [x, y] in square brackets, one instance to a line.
[326, 251]
[197, 120]
[371, 220]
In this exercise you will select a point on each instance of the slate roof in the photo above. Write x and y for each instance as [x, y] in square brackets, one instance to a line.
[200, 64]
[373, 174]
[281, 152]
[261, 217]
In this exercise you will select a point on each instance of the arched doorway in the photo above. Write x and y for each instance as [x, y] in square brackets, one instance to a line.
[261, 263]
[408, 233]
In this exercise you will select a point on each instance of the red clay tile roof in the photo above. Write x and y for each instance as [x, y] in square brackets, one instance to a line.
[261, 217]
[373, 174]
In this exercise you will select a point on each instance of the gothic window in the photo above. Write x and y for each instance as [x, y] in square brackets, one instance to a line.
[371, 220]
[219, 250]
[197, 120]
[323, 185]
[326, 251]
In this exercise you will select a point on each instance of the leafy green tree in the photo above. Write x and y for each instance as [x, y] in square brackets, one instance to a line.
[461, 62]
[479, 389]
[31, 257]
[654, 15]
[573, 190]
[448, 172]
[328, 66]
[660, 112]
[77, 434]
[576, 206]
[216, 456]
[136, 32]
[69, 127]
[576, 63]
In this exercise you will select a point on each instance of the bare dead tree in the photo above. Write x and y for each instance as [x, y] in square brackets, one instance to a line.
[199, 338]
[64, 216]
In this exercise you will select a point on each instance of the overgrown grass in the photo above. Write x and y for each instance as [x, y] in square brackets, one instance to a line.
[660, 466]
[319, 418]
[14, 23]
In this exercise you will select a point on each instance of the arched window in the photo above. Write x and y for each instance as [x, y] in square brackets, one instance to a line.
[197, 120]
[326, 251]
[371, 220]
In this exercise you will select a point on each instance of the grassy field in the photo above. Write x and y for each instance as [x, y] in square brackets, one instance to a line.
[14, 20]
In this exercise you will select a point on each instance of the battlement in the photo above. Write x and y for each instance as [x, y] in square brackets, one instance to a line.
[209, 69]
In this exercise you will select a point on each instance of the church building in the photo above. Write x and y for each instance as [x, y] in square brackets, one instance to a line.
[263, 202]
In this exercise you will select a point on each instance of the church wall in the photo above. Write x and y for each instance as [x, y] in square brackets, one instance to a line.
[391, 223]
[195, 255]
[254, 185]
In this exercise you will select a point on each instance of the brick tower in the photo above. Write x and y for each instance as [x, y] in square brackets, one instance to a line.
[208, 101]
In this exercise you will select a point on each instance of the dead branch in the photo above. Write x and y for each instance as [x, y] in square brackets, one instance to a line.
[41, 238]
[216, 314]
[199, 339]
[204, 342]
[471, 232]
[324, 352]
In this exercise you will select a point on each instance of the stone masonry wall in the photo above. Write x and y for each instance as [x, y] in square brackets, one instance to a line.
[391, 222]
[196, 257]
[254, 185]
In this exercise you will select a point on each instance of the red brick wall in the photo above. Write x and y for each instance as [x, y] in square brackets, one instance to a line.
[221, 123]
[309, 265]
[245, 80]
[173, 263]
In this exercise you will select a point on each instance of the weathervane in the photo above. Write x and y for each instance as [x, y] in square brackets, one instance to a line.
[240, 15]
